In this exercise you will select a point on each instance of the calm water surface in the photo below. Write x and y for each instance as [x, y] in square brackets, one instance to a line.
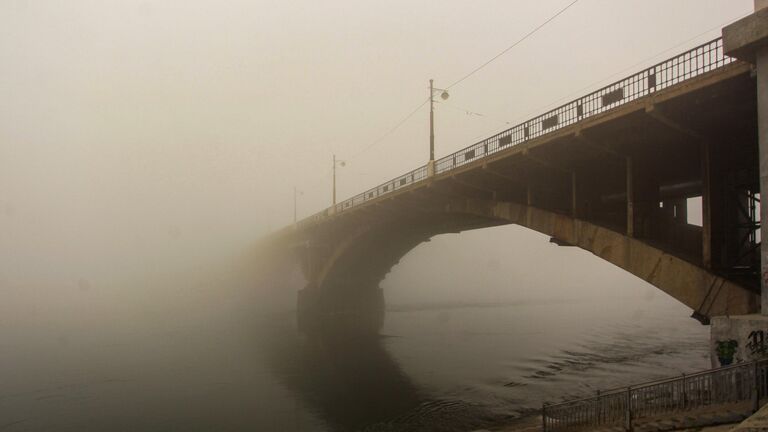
[471, 340]
[439, 366]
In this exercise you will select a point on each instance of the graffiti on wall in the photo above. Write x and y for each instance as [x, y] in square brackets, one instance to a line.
[756, 343]
[725, 351]
[755, 346]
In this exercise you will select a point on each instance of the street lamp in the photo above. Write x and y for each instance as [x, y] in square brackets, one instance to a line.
[340, 163]
[444, 95]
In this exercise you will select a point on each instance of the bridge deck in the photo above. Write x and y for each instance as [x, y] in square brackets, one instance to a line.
[610, 172]
[698, 68]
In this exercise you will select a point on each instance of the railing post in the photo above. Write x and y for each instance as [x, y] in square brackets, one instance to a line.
[628, 413]
[598, 409]
[755, 387]
[544, 417]
[685, 394]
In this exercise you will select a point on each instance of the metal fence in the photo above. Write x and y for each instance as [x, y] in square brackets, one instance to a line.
[626, 407]
[697, 61]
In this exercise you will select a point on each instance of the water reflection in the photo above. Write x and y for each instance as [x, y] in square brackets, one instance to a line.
[347, 379]
[352, 382]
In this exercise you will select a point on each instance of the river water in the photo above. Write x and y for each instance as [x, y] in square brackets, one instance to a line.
[211, 355]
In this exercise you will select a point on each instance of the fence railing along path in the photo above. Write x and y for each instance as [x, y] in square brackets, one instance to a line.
[697, 61]
[741, 386]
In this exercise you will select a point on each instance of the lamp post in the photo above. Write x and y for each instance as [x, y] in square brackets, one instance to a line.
[339, 163]
[444, 95]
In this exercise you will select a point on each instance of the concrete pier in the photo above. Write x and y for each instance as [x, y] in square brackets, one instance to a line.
[742, 338]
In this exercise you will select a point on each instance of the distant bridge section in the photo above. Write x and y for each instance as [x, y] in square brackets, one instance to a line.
[611, 173]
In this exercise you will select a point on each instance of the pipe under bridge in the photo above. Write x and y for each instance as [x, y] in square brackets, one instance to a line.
[610, 173]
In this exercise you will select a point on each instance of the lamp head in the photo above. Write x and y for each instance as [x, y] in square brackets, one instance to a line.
[444, 95]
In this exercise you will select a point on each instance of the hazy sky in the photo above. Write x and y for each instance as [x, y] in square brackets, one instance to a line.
[133, 130]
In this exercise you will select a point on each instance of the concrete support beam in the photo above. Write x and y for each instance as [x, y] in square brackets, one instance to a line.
[415, 205]
[588, 142]
[653, 111]
[487, 169]
[574, 196]
[527, 154]
[424, 195]
[762, 125]
[706, 293]
[747, 40]
[630, 198]
[438, 188]
[747, 36]
[706, 205]
[511, 188]
[528, 202]
[474, 186]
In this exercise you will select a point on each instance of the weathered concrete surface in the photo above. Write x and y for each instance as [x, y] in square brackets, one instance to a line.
[702, 291]
[747, 40]
[746, 36]
[358, 261]
[738, 339]
[762, 125]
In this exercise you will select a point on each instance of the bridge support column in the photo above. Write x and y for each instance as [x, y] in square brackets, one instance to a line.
[574, 196]
[742, 338]
[762, 121]
[645, 197]
[630, 198]
[706, 205]
[747, 40]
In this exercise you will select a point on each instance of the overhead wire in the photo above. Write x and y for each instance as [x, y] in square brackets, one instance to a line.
[613, 75]
[424, 102]
[391, 130]
[465, 110]
[507, 49]
[500, 54]
[415, 110]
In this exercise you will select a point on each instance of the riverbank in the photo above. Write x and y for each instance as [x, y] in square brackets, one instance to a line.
[533, 424]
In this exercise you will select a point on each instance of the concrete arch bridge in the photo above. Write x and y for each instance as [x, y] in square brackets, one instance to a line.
[610, 173]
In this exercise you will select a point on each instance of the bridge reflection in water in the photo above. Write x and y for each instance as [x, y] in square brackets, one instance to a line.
[352, 383]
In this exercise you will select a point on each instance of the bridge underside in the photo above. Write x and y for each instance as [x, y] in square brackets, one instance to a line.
[616, 185]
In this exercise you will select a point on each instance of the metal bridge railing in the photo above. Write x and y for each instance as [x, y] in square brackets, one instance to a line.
[745, 383]
[697, 61]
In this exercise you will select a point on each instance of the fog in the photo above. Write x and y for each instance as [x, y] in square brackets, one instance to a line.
[146, 147]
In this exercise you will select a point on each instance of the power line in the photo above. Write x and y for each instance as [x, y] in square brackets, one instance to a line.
[406, 118]
[466, 111]
[527, 35]
[611, 76]
[391, 130]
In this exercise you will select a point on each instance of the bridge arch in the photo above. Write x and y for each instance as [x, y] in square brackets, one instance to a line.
[346, 283]
[609, 173]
